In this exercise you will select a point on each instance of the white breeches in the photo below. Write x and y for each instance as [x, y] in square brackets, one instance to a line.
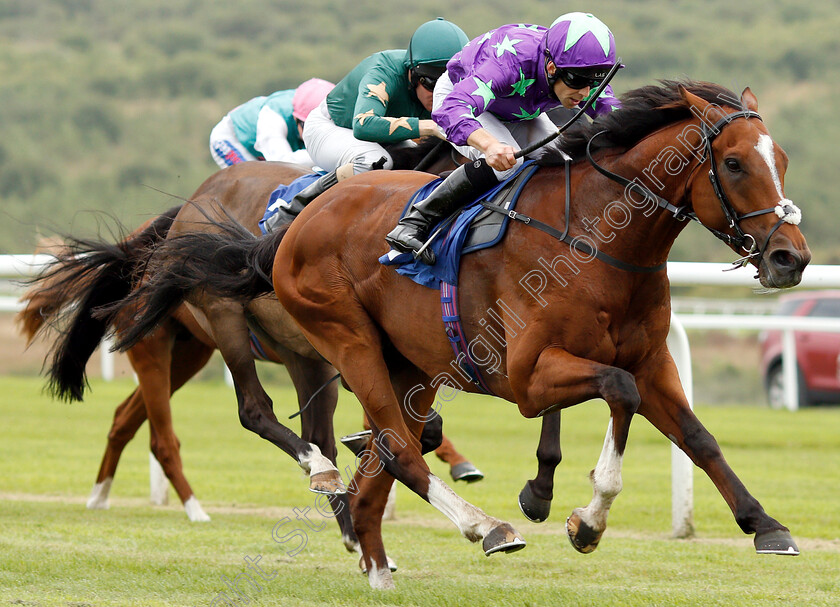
[518, 134]
[332, 146]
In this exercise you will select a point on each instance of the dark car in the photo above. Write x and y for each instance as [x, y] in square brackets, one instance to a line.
[817, 353]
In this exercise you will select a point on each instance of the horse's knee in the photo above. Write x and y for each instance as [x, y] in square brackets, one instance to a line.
[119, 437]
[398, 458]
[619, 387]
[164, 453]
[251, 415]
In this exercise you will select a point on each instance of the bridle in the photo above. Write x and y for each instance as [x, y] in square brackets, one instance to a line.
[785, 210]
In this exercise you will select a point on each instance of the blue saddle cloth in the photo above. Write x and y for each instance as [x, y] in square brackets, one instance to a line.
[284, 193]
[449, 247]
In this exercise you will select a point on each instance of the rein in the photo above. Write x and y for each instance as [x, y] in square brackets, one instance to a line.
[739, 239]
[573, 241]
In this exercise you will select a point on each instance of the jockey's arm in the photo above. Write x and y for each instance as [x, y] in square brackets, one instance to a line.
[498, 155]
[272, 137]
[430, 128]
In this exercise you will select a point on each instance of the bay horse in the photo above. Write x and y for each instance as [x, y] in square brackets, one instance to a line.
[676, 151]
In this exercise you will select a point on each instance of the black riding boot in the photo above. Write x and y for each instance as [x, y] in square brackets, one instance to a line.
[458, 188]
[287, 211]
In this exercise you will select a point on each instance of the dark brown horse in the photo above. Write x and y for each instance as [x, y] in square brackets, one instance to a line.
[589, 319]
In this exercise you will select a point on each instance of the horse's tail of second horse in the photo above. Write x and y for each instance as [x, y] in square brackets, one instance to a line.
[229, 263]
[87, 275]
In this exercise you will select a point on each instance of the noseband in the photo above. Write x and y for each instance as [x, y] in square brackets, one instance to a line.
[787, 213]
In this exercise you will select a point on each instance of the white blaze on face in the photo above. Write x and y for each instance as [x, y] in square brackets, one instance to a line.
[785, 209]
[765, 148]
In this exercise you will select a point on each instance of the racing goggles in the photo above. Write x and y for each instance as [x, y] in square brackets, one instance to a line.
[427, 75]
[579, 79]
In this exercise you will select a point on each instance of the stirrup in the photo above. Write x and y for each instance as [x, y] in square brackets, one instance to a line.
[417, 248]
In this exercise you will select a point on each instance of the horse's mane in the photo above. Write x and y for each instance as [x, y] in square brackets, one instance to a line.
[643, 111]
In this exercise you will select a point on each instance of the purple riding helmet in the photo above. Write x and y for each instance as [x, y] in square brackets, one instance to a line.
[582, 47]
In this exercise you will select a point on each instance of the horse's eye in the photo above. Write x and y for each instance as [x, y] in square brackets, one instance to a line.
[733, 165]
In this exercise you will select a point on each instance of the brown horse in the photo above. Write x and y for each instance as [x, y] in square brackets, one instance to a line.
[162, 362]
[574, 334]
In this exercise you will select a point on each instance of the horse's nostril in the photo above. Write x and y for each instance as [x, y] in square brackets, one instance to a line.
[783, 259]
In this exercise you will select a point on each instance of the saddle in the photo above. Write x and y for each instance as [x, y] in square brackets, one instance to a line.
[479, 225]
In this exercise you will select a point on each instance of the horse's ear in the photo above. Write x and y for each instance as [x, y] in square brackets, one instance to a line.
[693, 100]
[700, 107]
[748, 100]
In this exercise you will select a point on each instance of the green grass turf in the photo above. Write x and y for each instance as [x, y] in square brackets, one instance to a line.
[55, 552]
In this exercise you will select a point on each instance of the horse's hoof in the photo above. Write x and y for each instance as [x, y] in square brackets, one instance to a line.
[465, 471]
[194, 511]
[584, 538]
[503, 538]
[777, 541]
[328, 482]
[356, 442]
[391, 565]
[534, 508]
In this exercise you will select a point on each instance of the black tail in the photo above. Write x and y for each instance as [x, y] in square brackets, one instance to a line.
[230, 262]
[88, 274]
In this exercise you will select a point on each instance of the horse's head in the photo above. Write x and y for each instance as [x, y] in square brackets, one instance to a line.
[742, 200]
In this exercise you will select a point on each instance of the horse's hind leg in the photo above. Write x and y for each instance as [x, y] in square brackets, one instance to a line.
[560, 379]
[460, 468]
[372, 485]
[163, 365]
[188, 358]
[256, 413]
[535, 498]
[664, 404]
[128, 418]
[316, 424]
[347, 337]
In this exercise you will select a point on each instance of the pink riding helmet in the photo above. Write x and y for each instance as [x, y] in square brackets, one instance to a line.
[308, 96]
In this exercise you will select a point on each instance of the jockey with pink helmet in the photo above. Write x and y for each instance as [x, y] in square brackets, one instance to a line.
[492, 100]
[268, 128]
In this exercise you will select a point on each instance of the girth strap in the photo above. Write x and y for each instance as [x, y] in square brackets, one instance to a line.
[457, 339]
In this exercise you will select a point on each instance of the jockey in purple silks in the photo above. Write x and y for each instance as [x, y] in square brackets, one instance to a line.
[492, 100]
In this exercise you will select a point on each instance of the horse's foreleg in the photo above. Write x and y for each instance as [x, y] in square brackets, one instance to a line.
[664, 404]
[535, 498]
[560, 379]
[256, 413]
[128, 418]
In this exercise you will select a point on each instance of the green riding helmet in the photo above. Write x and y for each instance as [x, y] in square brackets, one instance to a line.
[434, 43]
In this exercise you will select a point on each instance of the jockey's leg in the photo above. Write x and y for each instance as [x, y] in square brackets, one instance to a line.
[337, 150]
[459, 188]
[287, 211]
[225, 147]
[462, 186]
